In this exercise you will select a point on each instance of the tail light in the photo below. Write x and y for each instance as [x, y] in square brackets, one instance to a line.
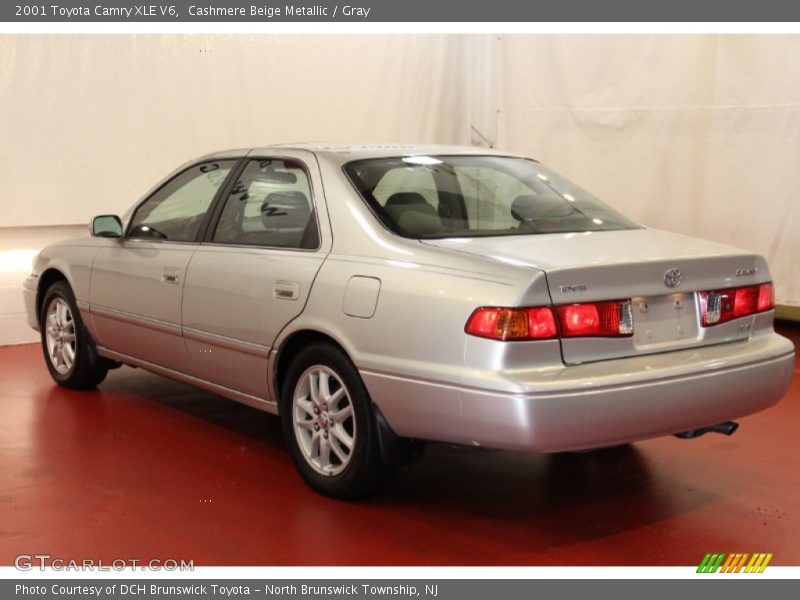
[537, 323]
[766, 297]
[594, 319]
[720, 306]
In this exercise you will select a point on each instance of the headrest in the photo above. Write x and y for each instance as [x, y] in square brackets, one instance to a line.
[285, 209]
[522, 207]
[420, 223]
[413, 214]
[529, 207]
[405, 199]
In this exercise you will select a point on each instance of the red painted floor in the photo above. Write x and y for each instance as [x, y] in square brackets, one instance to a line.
[147, 468]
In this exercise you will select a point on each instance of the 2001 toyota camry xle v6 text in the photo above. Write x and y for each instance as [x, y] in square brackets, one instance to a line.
[380, 297]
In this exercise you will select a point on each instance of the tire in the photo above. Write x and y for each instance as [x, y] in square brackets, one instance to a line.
[67, 347]
[324, 404]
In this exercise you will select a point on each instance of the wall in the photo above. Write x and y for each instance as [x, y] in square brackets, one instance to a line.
[90, 122]
[694, 134]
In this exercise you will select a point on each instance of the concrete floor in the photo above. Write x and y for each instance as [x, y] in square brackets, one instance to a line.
[147, 468]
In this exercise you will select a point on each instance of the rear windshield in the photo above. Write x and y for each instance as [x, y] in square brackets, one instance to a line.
[429, 197]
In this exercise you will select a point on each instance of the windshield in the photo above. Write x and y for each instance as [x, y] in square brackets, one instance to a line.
[428, 197]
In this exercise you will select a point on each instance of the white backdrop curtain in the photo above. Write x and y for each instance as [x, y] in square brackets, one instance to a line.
[694, 134]
[89, 122]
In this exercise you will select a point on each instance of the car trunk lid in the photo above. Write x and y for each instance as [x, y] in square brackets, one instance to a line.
[659, 272]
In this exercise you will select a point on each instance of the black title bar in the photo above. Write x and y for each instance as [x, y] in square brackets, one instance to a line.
[466, 11]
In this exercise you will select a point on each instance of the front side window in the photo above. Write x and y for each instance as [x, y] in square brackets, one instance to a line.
[270, 205]
[174, 213]
[468, 196]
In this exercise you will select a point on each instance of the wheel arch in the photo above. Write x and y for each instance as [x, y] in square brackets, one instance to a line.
[290, 347]
[50, 276]
[394, 449]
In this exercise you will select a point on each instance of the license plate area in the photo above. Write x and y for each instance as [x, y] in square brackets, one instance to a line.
[665, 321]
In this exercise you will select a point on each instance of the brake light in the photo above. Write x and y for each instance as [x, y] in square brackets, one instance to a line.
[766, 297]
[509, 324]
[720, 306]
[596, 319]
[744, 301]
[541, 323]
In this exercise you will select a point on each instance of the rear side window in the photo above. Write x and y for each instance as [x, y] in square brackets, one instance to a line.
[270, 205]
[174, 212]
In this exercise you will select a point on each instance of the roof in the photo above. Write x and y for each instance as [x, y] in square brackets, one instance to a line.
[348, 152]
[344, 153]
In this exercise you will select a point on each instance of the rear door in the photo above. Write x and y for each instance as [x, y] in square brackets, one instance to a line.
[137, 282]
[254, 270]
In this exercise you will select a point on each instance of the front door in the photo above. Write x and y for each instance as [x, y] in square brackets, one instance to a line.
[253, 273]
[137, 282]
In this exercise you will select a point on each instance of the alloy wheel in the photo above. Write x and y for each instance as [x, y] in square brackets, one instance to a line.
[324, 421]
[60, 336]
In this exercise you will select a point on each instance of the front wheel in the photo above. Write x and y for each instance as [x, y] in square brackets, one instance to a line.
[67, 348]
[329, 426]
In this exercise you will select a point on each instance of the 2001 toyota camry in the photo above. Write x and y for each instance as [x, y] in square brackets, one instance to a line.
[378, 297]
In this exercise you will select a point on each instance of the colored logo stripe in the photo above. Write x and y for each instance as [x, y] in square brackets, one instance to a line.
[735, 563]
[710, 563]
[758, 563]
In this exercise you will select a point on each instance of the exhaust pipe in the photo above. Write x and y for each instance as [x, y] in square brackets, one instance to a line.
[726, 427]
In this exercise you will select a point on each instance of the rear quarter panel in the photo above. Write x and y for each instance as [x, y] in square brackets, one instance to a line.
[416, 332]
[413, 354]
[426, 293]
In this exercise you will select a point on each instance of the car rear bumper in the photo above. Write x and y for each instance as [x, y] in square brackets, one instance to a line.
[597, 404]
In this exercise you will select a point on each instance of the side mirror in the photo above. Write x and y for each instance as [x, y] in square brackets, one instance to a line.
[107, 226]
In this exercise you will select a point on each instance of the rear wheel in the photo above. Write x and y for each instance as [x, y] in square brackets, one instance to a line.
[329, 426]
[68, 352]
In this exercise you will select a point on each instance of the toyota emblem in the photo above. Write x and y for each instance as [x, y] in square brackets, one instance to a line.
[673, 278]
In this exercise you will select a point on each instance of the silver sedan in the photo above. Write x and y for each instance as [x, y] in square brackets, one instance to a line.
[380, 297]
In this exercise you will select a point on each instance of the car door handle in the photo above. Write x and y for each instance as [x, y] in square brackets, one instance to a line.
[171, 276]
[287, 290]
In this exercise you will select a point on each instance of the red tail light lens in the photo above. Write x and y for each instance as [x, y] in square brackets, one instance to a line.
[596, 319]
[766, 297]
[744, 301]
[541, 323]
[509, 324]
[720, 306]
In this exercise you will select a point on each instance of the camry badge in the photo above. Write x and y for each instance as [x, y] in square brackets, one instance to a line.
[673, 278]
[578, 287]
